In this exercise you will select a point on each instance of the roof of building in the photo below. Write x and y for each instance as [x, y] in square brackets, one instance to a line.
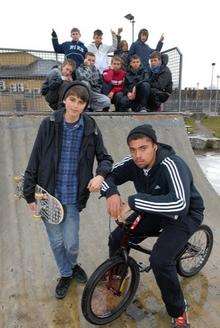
[39, 68]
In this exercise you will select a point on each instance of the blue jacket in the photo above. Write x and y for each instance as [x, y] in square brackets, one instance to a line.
[143, 51]
[75, 50]
[167, 189]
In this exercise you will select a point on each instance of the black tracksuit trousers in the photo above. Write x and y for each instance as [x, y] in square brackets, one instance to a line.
[122, 103]
[169, 244]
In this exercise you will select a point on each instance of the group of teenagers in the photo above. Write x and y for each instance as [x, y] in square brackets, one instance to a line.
[138, 78]
[62, 160]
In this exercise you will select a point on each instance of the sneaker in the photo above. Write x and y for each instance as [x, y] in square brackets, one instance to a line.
[143, 110]
[182, 321]
[62, 287]
[79, 274]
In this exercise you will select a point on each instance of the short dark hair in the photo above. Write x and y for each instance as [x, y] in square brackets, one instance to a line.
[89, 54]
[70, 62]
[134, 57]
[117, 58]
[98, 33]
[75, 29]
[78, 91]
[155, 54]
[137, 136]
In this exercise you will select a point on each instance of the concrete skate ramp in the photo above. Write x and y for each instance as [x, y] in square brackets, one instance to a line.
[27, 270]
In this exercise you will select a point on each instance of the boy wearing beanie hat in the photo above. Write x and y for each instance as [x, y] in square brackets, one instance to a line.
[65, 142]
[167, 198]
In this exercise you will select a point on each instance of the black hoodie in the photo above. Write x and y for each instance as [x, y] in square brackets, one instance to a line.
[161, 82]
[134, 77]
[167, 189]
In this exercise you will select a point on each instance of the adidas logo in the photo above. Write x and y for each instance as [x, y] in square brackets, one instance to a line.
[157, 187]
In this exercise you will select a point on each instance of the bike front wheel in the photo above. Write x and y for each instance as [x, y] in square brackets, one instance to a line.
[197, 252]
[110, 290]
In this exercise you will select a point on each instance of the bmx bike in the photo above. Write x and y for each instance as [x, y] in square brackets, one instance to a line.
[112, 286]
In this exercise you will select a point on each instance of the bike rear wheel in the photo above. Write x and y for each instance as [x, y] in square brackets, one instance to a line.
[110, 290]
[197, 252]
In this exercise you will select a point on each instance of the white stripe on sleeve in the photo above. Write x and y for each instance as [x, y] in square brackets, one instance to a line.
[174, 206]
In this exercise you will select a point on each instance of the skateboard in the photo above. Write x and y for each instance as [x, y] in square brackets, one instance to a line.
[48, 207]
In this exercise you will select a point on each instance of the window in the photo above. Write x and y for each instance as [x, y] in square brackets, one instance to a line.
[20, 87]
[36, 91]
[16, 87]
[2, 85]
[20, 105]
[13, 87]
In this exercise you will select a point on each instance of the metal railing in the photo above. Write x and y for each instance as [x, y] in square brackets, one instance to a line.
[22, 72]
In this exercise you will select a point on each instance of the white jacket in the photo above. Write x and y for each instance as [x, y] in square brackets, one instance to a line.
[101, 53]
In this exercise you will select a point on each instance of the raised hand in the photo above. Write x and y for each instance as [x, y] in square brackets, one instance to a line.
[120, 29]
[162, 37]
[53, 34]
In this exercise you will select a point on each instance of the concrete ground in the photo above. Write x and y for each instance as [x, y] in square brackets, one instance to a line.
[27, 270]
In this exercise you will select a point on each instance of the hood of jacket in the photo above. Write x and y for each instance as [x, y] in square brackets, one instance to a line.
[163, 151]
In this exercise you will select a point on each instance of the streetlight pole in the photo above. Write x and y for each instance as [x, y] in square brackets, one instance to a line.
[216, 95]
[197, 94]
[130, 17]
[132, 22]
[211, 87]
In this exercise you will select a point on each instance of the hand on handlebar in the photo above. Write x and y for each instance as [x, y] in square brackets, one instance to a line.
[116, 208]
[124, 212]
[114, 204]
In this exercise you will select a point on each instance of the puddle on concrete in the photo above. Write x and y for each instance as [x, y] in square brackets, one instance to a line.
[210, 164]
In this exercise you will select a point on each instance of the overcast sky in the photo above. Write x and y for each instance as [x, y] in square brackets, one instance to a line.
[192, 26]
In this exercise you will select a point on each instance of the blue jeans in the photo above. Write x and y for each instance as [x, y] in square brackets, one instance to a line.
[64, 240]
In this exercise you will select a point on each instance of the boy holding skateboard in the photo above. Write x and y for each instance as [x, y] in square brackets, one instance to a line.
[61, 162]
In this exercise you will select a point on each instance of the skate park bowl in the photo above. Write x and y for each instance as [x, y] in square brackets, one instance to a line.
[27, 269]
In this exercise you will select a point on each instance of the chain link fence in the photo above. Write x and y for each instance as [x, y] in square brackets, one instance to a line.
[201, 100]
[23, 71]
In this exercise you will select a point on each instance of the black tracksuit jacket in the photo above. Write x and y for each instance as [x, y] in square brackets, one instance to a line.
[166, 190]
[44, 159]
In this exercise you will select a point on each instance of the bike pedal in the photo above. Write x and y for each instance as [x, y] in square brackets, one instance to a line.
[143, 267]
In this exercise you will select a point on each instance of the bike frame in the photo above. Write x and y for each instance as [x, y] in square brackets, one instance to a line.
[129, 227]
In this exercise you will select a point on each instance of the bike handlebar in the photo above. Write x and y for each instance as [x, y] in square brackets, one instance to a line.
[130, 220]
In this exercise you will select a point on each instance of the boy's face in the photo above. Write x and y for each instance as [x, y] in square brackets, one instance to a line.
[67, 71]
[124, 46]
[75, 36]
[135, 64]
[154, 62]
[74, 105]
[89, 61]
[143, 37]
[143, 152]
[116, 65]
[97, 39]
